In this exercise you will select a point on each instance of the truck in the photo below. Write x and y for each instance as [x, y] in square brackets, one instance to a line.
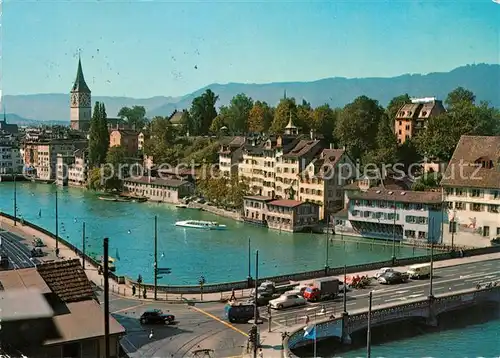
[4, 260]
[271, 288]
[322, 289]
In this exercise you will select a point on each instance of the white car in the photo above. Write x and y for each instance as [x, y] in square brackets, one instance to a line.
[383, 271]
[299, 290]
[287, 300]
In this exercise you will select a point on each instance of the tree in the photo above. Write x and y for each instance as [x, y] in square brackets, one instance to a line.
[463, 118]
[357, 124]
[260, 117]
[135, 116]
[459, 96]
[116, 156]
[160, 144]
[202, 113]
[323, 121]
[98, 136]
[238, 113]
[285, 110]
[304, 116]
[395, 105]
[221, 120]
[427, 181]
[386, 151]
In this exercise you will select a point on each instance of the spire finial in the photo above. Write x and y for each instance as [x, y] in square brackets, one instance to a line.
[4, 116]
[284, 94]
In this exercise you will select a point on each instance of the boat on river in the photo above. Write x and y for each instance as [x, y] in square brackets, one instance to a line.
[199, 224]
[182, 206]
[108, 198]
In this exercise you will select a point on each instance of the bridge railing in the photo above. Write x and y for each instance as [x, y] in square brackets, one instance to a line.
[300, 276]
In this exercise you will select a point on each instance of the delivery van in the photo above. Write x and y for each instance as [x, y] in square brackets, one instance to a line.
[419, 271]
[240, 311]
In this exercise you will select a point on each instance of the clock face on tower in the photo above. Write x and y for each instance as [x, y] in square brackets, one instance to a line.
[85, 100]
[74, 100]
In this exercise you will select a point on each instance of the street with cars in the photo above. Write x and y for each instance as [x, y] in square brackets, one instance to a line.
[17, 250]
[445, 280]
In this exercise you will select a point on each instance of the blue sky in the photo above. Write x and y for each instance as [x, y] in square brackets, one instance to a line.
[148, 48]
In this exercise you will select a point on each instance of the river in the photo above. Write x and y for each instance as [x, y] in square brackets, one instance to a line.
[220, 256]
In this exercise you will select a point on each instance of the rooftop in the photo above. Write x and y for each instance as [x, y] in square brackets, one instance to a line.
[414, 197]
[302, 148]
[67, 280]
[157, 181]
[24, 304]
[258, 197]
[287, 203]
[26, 279]
[475, 163]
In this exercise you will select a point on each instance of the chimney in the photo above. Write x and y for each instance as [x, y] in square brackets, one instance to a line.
[312, 134]
[332, 146]
[343, 147]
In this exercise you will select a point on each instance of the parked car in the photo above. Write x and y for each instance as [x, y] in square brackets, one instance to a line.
[156, 316]
[419, 271]
[37, 252]
[299, 290]
[285, 301]
[240, 311]
[393, 277]
[383, 270]
[4, 260]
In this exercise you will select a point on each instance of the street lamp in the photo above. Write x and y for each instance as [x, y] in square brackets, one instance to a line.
[327, 243]
[431, 294]
[15, 201]
[249, 277]
[453, 229]
[394, 234]
[57, 226]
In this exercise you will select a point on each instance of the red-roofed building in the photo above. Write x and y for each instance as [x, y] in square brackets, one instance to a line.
[282, 214]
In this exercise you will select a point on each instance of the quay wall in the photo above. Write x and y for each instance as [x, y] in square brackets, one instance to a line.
[300, 276]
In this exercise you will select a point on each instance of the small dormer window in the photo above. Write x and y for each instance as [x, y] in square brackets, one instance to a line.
[424, 113]
[484, 162]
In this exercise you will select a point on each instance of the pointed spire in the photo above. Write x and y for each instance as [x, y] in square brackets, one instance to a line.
[4, 116]
[80, 85]
[284, 94]
[290, 122]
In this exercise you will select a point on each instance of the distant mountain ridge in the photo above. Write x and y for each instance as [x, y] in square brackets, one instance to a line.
[482, 79]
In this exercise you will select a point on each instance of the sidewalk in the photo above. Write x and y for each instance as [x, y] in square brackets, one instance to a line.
[126, 290]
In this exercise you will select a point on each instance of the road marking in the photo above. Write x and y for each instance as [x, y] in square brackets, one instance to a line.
[311, 308]
[129, 308]
[415, 295]
[219, 320]
[401, 292]
[395, 299]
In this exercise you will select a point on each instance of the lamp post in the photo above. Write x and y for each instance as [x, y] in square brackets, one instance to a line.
[106, 299]
[57, 226]
[249, 277]
[327, 243]
[394, 234]
[345, 289]
[156, 259]
[15, 201]
[83, 245]
[453, 228]
[431, 294]
[369, 331]
[255, 308]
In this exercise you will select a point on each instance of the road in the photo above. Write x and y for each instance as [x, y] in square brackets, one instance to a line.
[200, 327]
[18, 250]
[447, 279]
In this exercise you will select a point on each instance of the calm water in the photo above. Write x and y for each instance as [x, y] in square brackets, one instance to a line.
[220, 256]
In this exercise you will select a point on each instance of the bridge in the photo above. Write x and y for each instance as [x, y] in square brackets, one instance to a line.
[455, 290]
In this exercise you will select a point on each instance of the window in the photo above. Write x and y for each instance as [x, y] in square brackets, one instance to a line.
[459, 206]
[476, 193]
[407, 127]
[476, 207]
[493, 208]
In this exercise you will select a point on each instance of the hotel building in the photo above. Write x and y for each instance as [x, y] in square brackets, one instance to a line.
[230, 155]
[471, 187]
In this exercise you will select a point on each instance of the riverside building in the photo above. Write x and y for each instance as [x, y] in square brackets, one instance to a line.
[395, 214]
[471, 186]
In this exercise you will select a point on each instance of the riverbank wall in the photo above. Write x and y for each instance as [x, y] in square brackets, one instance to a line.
[34, 230]
[230, 214]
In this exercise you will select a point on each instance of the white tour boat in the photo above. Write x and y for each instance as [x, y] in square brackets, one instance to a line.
[198, 224]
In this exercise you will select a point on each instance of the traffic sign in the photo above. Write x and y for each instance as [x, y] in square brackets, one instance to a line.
[165, 270]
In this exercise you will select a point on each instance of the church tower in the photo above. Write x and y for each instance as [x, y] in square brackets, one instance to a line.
[80, 102]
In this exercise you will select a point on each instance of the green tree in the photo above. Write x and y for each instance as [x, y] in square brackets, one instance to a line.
[427, 181]
[238, 113]
[395, 105]
[304, 116]
[221, 120]
[386, 150]
[323, 121]
[116, 156]
[459, 96]
[160, 144]
[357, 124]
[98, 136]
[285, 110]
[202, 113]
[135, 116]
[260, 117]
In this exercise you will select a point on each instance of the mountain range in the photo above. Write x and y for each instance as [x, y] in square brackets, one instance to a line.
[482, 79]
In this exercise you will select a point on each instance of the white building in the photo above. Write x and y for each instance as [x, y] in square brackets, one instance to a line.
[10, 159]
[381, 213]
[230, 154]
[156, 189]
[72, 169]
[472, 191]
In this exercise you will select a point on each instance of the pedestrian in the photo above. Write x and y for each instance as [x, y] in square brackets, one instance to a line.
[233, 296]
[57, 252]
[261, 354]
[133, 290]
[307, 320]
[144, 293]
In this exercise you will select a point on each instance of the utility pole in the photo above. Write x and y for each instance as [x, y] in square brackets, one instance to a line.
[255, 309]
[249, 277]
[156, 258]
[83, 245]
[57, 225]
[431, 294]
[345, 289]
[106, 299]
[453, 228]
[394, 234]
[327, 243]
[369, 332]
[15, 201]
